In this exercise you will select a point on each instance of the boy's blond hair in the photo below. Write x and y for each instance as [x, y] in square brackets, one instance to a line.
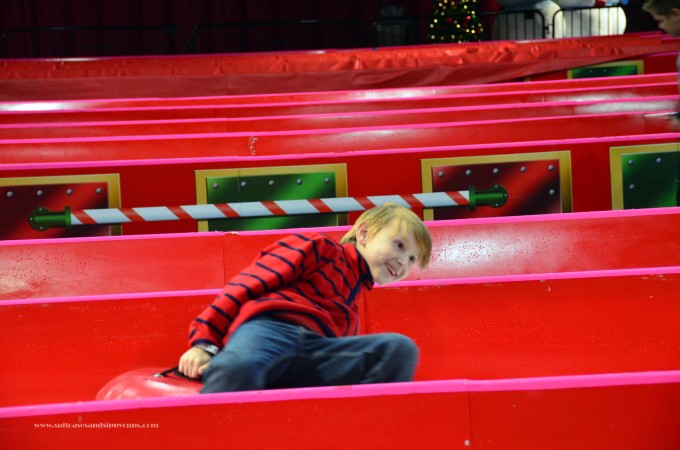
[660, 7]
[380, 216]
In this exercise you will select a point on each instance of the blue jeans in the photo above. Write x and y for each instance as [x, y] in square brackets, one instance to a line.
[264, 354]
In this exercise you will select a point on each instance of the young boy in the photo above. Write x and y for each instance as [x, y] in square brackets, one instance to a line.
[667, 15]
[291, 318]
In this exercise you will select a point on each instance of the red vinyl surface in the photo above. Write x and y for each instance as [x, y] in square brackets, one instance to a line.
[461, 249]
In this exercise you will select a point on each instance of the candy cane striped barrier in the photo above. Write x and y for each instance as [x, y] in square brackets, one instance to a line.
[42, 218]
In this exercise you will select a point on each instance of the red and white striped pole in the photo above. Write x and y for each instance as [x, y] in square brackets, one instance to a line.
[42, 218]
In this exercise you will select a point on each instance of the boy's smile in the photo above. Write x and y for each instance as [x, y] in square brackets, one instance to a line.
[390, 252]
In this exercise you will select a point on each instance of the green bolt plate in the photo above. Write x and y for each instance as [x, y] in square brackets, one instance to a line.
[650, 180]
[267, 188]
[606, 71]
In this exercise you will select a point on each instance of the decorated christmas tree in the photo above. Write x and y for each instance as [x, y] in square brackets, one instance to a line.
[455, 21]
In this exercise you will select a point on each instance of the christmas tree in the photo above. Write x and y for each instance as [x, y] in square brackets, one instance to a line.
[455, 21]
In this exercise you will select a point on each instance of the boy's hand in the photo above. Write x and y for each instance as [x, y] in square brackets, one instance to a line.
[193, 362]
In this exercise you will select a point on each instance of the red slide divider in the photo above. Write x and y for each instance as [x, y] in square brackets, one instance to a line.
[466, 249]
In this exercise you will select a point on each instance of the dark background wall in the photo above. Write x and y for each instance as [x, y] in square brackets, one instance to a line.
[73, 28]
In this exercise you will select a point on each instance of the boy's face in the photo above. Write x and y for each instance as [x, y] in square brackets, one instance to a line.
[391, 252]
[670, 23]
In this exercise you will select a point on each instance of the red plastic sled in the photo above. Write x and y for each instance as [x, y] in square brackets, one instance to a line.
[148, 382]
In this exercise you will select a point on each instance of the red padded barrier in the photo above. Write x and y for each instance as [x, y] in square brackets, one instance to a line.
[497, 247]
[475, 248]
[552, 244]
[612, 412]
[74, 267]
[412, 420]
[174, 179]
[364, 95]
[554, 324]
[473, 53]
[334, 141]
[609, 418]
[527, 326]
[208, 110]
[328, 121]
[472, 63]
[82, 345]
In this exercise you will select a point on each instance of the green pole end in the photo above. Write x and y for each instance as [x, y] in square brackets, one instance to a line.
[496, 196]
[472, 193]
[42, 219]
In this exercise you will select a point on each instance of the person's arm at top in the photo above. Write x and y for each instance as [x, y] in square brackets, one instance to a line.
[675, 121]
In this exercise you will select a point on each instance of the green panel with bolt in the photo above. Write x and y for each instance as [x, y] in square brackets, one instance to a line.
[650, 180]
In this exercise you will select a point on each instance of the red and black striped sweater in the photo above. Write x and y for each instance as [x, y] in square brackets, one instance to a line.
[304, 279]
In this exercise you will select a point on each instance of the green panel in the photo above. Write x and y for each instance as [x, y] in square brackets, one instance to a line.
[267, 188]
[650, 180]
[606, 71]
